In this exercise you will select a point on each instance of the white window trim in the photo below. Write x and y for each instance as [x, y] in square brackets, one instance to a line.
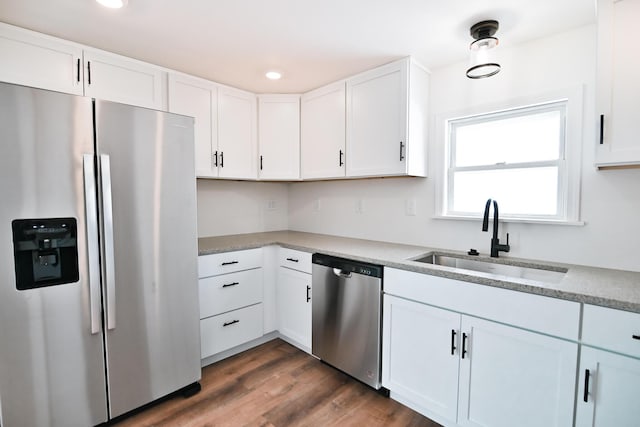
[573, 153]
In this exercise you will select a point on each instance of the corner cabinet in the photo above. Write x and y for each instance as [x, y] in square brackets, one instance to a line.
[322, 133]
[387, 119]
[279, 137]
[609, 376]
[471, 355]
[618, 87]
[237, 141]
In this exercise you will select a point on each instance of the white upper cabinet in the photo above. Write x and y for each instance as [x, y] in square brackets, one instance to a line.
[36, 60]
[618, 86]
[387, 121]
[279, 137]
[237, 143]
[119, 79]
[322, 132]
[199, 99]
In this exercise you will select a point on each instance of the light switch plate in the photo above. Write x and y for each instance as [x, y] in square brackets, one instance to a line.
[411, 208]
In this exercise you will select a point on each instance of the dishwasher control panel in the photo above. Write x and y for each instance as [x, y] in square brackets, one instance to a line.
[347, 265]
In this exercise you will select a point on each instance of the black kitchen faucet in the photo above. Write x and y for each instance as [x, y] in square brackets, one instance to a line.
[496, 247]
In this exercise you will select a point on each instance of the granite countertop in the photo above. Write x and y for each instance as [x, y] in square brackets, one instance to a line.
[605, 287]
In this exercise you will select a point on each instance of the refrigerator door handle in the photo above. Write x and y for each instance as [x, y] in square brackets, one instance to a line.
[107, 224]
[91, 213]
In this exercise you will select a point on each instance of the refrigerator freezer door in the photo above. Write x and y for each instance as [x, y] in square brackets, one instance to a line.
[154, 348]
[51, 364]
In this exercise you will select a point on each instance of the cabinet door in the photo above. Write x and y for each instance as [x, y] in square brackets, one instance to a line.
[509, 377]
[377, 121]
[236, 134]
[198, 98]
[293, 296]
[120, 79]
[420, 356]
[33, 59]
[279, 137]
[618, 85]
[322, 133]
[613, 388]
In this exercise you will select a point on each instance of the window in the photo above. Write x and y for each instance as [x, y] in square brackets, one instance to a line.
[516, 156]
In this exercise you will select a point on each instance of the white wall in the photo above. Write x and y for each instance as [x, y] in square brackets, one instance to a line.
[234, 207]
[610, 200]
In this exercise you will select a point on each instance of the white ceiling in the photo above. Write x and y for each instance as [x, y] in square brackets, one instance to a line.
[311, 42]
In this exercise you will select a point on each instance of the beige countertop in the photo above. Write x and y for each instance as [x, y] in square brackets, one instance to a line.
[599, 286]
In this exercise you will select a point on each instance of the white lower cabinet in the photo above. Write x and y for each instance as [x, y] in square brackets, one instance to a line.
[293, 299]
[462, 370]
[227, 330]
[509, 376]
[612, 384]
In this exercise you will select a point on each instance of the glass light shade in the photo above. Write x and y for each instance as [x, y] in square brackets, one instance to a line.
[482, 62]
[113, 4]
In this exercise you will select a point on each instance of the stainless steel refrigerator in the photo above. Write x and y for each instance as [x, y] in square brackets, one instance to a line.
[98, 258]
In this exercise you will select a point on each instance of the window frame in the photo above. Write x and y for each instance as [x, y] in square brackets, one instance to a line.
[569, 161]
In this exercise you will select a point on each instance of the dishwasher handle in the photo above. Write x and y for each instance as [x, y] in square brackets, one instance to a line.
[341, 273]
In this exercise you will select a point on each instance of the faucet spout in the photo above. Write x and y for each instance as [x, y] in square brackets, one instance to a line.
[496, 246]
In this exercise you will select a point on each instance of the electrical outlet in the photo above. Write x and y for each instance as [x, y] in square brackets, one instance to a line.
[411, 208]
[359, 206]
[316, 205]
[271, 205]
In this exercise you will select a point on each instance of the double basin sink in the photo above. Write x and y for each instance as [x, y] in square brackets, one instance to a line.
[516, 270]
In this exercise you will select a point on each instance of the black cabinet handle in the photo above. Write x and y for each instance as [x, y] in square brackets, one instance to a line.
[601, 129]
[230, 323]
[222, 159]
[260, 162]
[401, 151]
[308, 296]
[215, 159]
[635, 337]
[464, 344]
[585, 395]
[226, 285]
[453, 341]
[89, 72]
[340, 158]
[230, 263]
[292, 259]
[78, 70]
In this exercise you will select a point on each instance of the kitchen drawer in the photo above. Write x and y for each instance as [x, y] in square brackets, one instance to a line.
[220, 294]
[222, 332]
[551, 316]
[611, 329]
[228, 262]
[296, 260]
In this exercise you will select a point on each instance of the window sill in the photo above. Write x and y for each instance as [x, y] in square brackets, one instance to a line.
[512, 220]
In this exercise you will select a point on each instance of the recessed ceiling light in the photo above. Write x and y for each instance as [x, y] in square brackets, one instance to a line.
[113, 4]
[273, 75]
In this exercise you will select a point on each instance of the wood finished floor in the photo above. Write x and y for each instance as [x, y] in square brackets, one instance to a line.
[278, 385]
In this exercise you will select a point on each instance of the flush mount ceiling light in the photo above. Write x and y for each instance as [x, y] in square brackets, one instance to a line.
[273, 75]
[113, 4]
[481, 63]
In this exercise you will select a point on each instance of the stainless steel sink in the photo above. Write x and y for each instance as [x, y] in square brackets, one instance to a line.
[547, 274]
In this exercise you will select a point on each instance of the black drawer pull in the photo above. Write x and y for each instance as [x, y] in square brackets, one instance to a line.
[215, 157]
[222, 159]
[340, 162]
[635, 337]
[401, 151]
[601, 129]
[453, 341]
[292, 259]
[230, 323]
[89, 72]
[308, 296]
[464, 344]
[585, 395]
[230, 263]
[78, 70]
[226, 285]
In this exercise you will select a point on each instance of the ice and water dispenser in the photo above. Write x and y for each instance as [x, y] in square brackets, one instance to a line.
[45, 252]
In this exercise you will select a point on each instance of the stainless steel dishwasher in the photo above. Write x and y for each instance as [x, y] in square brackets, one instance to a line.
[346, 321]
